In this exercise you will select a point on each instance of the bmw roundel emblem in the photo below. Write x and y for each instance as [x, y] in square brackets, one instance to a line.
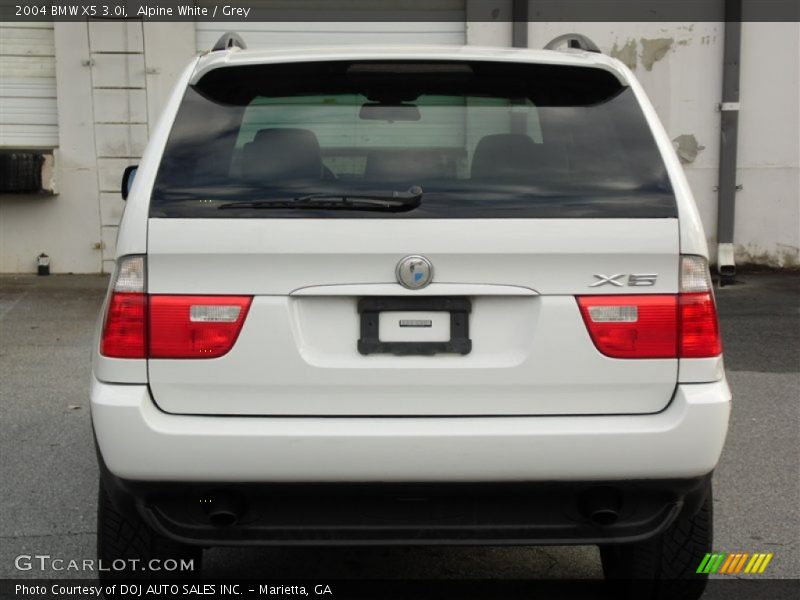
[414, 272]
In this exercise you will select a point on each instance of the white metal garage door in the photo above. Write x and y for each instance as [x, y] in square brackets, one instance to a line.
[357, 22]
[28, 112]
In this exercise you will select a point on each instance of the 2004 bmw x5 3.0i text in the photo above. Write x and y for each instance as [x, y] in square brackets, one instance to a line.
[411, 296]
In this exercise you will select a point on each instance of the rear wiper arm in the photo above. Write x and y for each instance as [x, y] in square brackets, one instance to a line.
[392, 201]
[410, 197]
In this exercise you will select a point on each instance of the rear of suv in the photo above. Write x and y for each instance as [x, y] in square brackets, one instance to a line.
[411, 296]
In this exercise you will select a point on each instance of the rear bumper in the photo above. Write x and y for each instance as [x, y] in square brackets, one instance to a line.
[498, 480]
[139, 442]
[410, 513]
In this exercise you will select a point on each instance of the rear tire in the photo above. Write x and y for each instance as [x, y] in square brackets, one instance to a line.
[663, 567]
[122, 537]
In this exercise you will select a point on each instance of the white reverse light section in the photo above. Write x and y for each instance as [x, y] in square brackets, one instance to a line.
[694, 274]
[130, 274]
[202, 313]
[614, 314]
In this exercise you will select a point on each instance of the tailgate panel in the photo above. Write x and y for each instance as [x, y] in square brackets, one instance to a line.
[279, 256]
[297, 352]
[298, 357]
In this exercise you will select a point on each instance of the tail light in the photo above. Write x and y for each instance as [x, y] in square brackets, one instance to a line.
[195, 326]
[698, 312]
[657, 325]
[632, 326]
[138, 325]
[124, 328]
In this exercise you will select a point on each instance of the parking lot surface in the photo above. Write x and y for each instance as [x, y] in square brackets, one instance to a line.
[49, 474]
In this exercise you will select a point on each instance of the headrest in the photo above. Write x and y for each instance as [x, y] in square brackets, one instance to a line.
[276, 154]
[516, 156]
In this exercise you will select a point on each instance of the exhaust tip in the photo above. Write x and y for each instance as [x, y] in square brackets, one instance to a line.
[601, 505]
[222, 518]
[604, 516]
[223, 509]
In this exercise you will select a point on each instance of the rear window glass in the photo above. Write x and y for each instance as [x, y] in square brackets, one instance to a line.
[479, 139]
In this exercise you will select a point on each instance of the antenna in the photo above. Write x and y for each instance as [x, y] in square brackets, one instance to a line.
[573, 40]
[229, 39]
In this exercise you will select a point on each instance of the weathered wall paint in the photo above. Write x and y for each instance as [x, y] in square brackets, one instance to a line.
[687, 147]
[680, 66]
[627, 53]
[653, 50]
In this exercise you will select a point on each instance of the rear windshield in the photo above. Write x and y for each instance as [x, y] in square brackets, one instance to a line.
[478, 139]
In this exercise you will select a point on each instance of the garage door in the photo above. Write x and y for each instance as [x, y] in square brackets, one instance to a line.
[28, 113]
[356, 22]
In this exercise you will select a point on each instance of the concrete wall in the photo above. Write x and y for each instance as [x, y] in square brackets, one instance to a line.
[112, 80]
[106, 110]
[65, 226]
[680, 66]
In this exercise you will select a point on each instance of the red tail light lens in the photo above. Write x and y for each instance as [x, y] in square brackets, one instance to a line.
[159, 326]
[124, 329]
[195, 326]
[642, 326]
[125, 325]
[698, 325]
[699, 328]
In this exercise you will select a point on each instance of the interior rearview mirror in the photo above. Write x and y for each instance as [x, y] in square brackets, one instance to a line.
[127, 180]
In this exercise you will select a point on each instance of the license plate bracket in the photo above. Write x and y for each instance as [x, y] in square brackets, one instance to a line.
[459, 308]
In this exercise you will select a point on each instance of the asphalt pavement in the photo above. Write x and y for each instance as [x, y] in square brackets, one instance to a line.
[49, 474]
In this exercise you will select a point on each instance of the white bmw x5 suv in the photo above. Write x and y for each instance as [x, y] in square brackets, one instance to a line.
[411, 296]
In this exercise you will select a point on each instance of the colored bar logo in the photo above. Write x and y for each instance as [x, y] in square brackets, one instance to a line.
[734, 563]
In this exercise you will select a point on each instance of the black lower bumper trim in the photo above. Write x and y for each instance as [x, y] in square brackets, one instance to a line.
[409, 513]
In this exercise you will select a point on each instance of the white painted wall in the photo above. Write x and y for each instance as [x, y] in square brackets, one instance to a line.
[685, 85]
[74, 226]
[67, 225]
[105, 109]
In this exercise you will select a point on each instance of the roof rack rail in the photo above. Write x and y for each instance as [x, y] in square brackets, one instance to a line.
[573, 40]
[229, 39]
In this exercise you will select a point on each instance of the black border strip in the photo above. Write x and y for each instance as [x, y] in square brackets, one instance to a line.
[385, 589]
[404, 10]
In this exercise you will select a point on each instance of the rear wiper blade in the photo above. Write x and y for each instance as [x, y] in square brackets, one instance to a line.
[392, 201]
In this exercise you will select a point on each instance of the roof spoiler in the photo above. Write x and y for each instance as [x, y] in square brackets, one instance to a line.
[229, 39]
[573, 40]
